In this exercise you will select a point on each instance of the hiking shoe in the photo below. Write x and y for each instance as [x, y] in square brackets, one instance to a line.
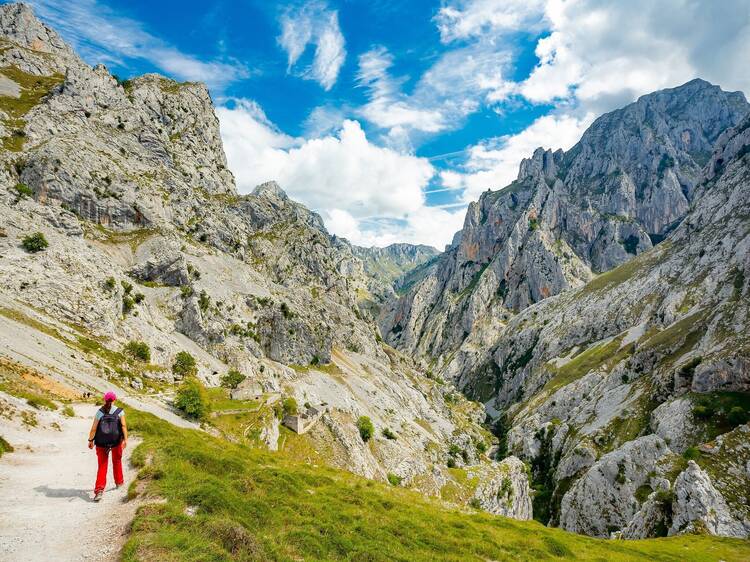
[98, 496]
[118, 486]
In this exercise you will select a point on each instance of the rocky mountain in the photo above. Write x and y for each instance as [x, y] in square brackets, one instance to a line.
[628, 392]
[569, 216]
[392, 270]
[150, 243]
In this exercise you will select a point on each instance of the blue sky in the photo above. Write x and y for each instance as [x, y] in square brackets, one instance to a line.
[389, 116]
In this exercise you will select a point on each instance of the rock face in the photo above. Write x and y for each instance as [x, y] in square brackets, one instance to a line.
[507, 493]
[150, 241]
[699, 507]
[627, 183]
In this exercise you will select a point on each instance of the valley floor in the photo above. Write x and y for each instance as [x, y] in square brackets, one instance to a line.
[47, 512]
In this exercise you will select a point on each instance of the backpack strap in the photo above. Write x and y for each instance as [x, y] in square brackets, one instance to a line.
[117, 412]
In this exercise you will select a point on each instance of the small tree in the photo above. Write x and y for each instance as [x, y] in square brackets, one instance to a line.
[184, 365]
[366, 429]
[388, 434]
[138, 350]
[34, 243]
[232, 379]
[290, 406]
[737, 416]
[192, 398]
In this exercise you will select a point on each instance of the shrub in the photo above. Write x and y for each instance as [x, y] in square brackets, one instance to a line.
[34, 243]
[186, 291]
[204, 301]
[232, 379]
[475, 503]
[451, 462]
[394, 479]
[286, 311]
[138, 298]
[481, 447]
[68, 411]
[691, 454]
[127, 286]
[192, 398]
[454, 450]
[138, 350]
[184, 365]
[24, 190]
[127, 304]
[290, 406]
[388, 434]
[702, 411]
[109, 284]
[737, 416]
[365, 427]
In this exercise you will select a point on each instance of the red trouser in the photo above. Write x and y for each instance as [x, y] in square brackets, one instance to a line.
[102, 455]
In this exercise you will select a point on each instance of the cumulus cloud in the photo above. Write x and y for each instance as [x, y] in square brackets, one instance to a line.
[101, 35]
[604, 54]
[314, 24]
[368, 193]
[493, 164]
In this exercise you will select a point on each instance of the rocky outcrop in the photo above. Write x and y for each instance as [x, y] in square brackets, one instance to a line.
[507, 492]
[603, 499]
[698, 507]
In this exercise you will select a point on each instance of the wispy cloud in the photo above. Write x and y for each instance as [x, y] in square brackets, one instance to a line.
[314, 24]
[101, 35]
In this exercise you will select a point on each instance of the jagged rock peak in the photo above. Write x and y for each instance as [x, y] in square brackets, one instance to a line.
[271, 190]
[19, 24]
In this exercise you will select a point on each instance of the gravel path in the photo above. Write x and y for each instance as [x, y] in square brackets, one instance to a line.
[46, 507]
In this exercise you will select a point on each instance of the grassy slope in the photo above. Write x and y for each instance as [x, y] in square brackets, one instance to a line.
[253, 505]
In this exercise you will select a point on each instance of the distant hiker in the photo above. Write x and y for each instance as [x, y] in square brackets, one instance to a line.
[109, 433]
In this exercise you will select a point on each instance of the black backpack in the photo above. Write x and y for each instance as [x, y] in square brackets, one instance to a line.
[109, 430]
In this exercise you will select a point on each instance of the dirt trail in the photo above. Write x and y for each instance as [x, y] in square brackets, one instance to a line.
[46, 510]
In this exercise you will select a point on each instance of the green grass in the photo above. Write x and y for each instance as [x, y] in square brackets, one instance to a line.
[32, 90]
[603, 355]
[254, 505]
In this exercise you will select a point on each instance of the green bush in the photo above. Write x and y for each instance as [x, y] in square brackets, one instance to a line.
[702, 411]
[394, 479]
[691, 454]
[109, 284]
[204, 301]
[138, 298]
[388, 434]
[127, 286]
[232, 379]
[290, 406]
[481, 447]
[68, 411]
[127, 304]
[24, 190]
[184, 365]
[475, 503]
[34, 243]
[186, 291]
[138, 350]
[5, 447]
[365, 427]
[192, 398]
[737, 416]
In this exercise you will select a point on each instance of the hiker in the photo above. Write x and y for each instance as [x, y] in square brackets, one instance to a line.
[109, 433]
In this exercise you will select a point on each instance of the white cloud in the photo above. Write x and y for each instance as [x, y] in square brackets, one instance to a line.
[463, 19]
[101, 35]
[367, 193]
[454, 87]
[314, 23]
[493, 164]
[604, 54]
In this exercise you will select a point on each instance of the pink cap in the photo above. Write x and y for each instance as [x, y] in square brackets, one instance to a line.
[110, 396]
